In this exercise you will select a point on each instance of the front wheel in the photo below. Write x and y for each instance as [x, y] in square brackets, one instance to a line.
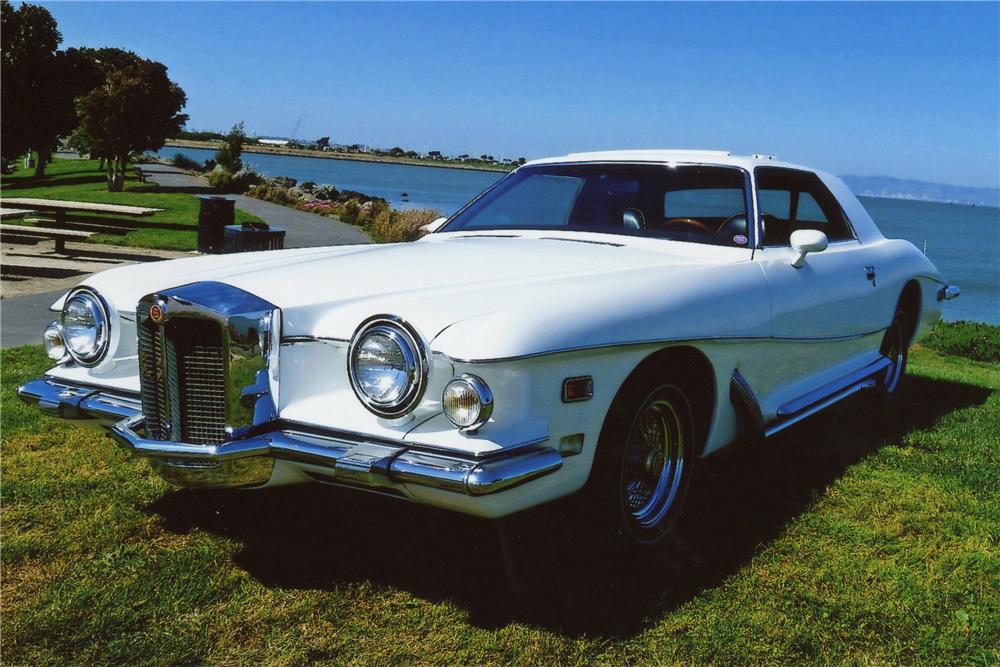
[645, 461]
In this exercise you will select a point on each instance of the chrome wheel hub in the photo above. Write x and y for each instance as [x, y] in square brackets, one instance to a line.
[893, 349]
[653, 465]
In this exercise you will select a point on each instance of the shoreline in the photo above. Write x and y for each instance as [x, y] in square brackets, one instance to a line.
[333, 155]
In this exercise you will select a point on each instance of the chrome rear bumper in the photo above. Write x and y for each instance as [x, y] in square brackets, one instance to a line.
[248, 462]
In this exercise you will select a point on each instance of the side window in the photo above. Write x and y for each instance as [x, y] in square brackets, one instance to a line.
[703, 203]
[809, 209]
[790, 200]
[775, 202]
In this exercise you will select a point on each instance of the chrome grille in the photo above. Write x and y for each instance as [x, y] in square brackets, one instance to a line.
[150, 370]
[183, 380]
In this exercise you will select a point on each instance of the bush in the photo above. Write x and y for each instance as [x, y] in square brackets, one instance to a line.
[232, 147]
[400, 226]
[246, 178]
[184, 162]
[272, 192]
[220, 178]
[350, 213]
[974, 340]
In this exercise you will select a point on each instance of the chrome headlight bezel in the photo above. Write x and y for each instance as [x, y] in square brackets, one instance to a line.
[103, 326]
[414, 353]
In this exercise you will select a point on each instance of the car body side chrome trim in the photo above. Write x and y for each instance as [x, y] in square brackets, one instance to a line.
[831, 388]
[823, 397]
[651, 341]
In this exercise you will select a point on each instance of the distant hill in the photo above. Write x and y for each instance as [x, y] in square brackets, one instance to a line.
[902, 188]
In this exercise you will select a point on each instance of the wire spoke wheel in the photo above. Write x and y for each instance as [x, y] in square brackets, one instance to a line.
[894, 349]
[656, 454]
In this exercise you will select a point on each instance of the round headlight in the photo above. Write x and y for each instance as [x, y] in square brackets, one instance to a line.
[85, 327]
[387, 367]
[467, 402]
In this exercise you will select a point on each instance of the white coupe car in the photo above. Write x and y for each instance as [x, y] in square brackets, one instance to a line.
[597, 321]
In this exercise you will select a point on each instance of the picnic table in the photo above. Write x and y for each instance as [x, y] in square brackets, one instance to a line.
[60, 236]
[60, 208]
[13, 213]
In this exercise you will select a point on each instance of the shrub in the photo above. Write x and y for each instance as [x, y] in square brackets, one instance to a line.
[399, 226]
[184, 162]
[245, 178]
[272, 192]
[232, 147]
[350, 213]
[974, 340]
[220, 178]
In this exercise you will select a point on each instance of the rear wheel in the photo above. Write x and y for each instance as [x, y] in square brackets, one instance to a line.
[645, 461]
[894, 348]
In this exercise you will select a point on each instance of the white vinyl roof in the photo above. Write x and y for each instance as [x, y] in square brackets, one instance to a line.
[672, 155]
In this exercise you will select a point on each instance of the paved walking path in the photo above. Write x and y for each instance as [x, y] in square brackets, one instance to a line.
[23, 318]
[302, 230]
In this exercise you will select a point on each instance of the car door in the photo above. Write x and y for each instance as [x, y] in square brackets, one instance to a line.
[826, 313]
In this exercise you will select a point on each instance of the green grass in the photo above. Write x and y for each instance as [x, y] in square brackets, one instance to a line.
[974, 340]
[860, 538]
[80, 180]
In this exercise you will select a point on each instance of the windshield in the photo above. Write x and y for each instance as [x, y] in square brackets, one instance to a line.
[689, 203]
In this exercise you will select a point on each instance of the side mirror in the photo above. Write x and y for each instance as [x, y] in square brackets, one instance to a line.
[432, 227]
[805, 241]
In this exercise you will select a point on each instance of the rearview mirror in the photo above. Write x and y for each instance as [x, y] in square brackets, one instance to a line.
[805, 241]
[432, 227]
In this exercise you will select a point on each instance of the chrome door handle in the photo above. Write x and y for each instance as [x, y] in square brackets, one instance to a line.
[870, 274]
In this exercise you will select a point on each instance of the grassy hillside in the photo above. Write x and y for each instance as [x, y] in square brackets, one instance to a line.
[80, 180]
[859, 538]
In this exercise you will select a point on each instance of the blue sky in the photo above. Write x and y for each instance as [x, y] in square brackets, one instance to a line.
[905, 90]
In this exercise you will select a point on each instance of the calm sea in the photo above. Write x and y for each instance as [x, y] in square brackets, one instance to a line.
[963, 241]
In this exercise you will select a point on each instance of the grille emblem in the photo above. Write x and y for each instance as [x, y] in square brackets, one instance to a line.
[157, 312]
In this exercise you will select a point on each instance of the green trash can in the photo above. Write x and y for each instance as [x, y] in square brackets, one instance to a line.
[213, 215]
[252, 236]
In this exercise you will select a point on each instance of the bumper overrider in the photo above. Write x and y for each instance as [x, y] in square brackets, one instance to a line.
[248, 461]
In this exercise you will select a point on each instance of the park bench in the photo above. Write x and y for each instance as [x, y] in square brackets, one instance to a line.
[60, 236]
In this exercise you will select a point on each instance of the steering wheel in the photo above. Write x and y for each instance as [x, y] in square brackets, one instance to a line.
[690, 222]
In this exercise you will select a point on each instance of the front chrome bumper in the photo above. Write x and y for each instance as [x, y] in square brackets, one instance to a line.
[336, 457]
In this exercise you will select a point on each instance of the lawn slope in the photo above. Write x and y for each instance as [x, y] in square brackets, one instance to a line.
[862, 538]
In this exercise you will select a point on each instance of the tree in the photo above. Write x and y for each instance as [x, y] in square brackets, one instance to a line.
[135, 108]
[521, 160]
[229, 153]
[323, 143]
[39, 83]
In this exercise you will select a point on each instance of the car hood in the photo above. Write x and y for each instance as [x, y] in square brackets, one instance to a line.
[433, 284]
